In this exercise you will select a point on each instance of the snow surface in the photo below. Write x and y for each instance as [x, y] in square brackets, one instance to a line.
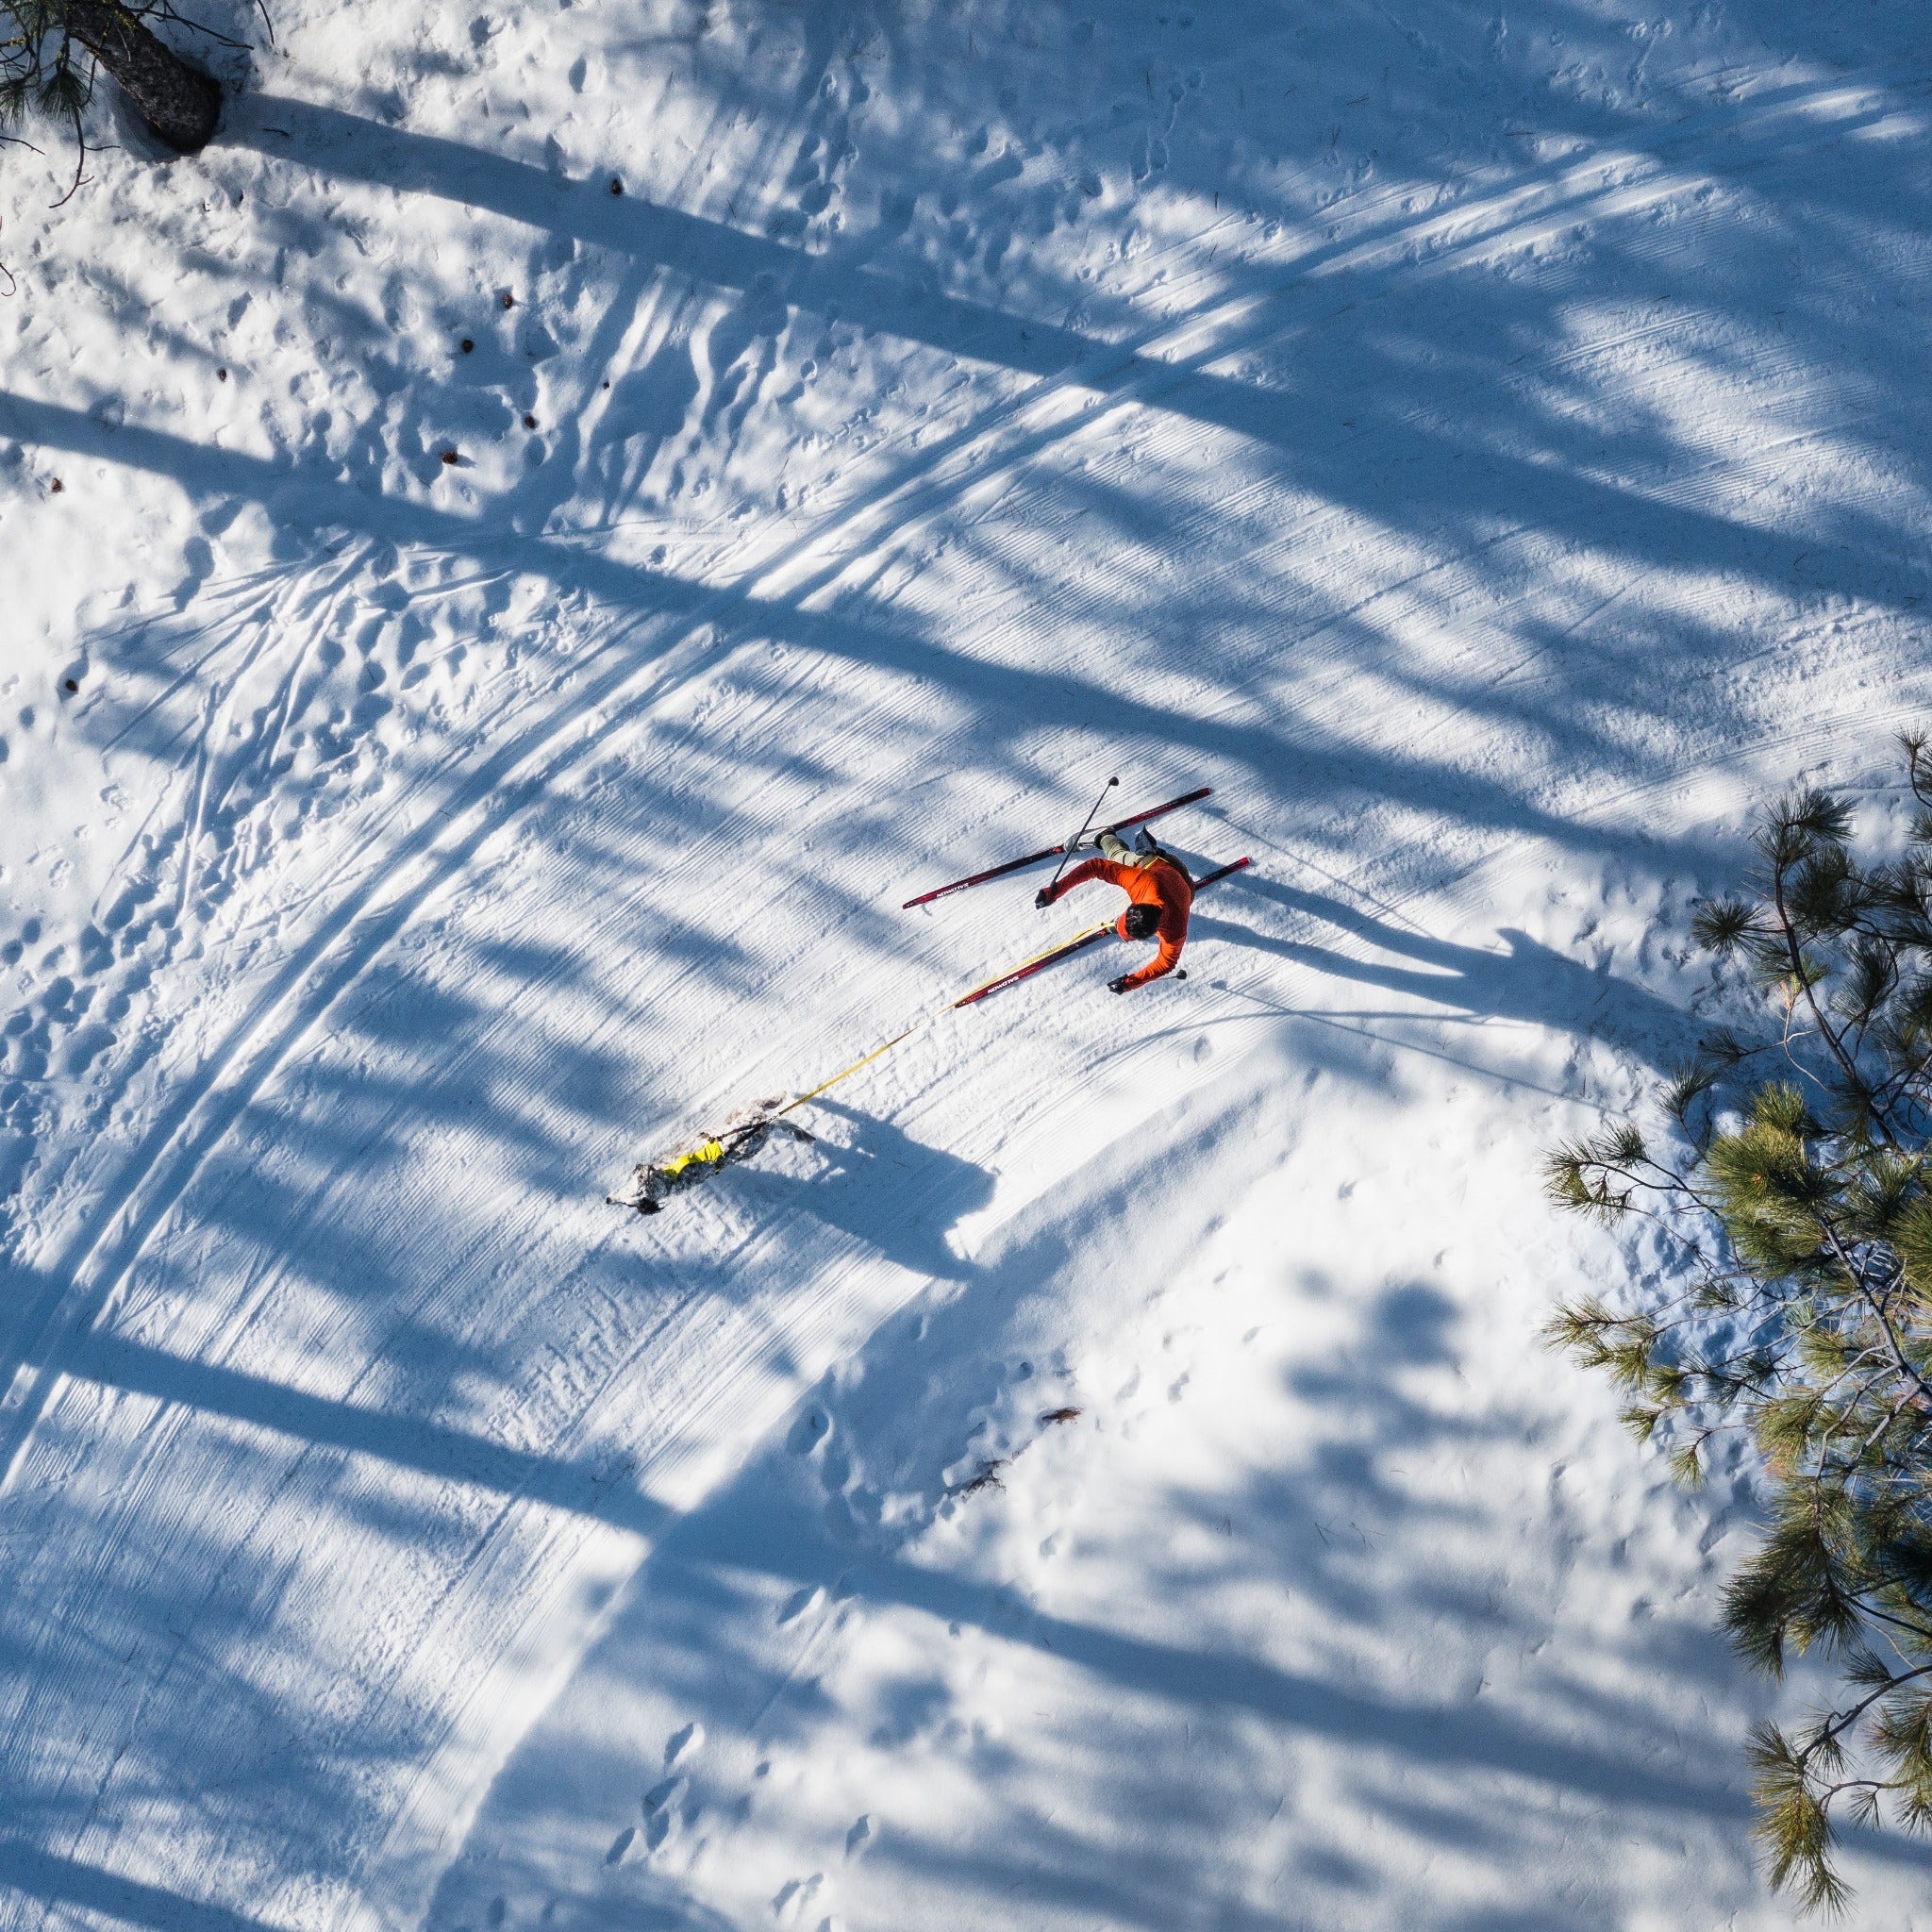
[1488, 446]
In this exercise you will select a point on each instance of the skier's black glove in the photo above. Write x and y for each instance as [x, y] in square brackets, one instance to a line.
[1043, 899]
[1118, 985]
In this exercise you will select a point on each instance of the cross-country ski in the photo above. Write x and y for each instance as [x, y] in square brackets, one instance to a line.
[1080, 942]
[1046, 851]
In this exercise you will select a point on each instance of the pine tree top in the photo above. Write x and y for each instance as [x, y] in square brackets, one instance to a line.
[1789, 1172]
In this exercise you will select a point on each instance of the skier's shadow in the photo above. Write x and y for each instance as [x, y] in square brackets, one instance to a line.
[893, 1191]
[1529, 982]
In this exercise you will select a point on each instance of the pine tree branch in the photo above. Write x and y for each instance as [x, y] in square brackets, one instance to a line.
[1921, 1631]
[1853, 1275]
[1840, 1722]
[1802, 980]
[1846, 1415]
[1884, 1423]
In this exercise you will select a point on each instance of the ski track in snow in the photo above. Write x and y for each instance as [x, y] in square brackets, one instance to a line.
[532, 1421]
[494, 793]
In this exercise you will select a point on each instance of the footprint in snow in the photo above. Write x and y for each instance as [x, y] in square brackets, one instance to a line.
[793, 1896]
[660, 1813]
[1150, 156]
[798, 1603]
[660, 1795]
[810, 1430]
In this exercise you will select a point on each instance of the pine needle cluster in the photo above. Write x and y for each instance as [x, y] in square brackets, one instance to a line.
[51, 52]
[41, 68]
[1794, 1189]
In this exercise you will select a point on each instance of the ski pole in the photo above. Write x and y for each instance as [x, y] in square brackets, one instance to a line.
[1072, 844]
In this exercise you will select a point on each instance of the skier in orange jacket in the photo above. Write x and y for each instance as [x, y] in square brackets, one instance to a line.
[1160, 894]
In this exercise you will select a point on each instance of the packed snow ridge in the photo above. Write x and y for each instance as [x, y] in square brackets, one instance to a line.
[520, 556]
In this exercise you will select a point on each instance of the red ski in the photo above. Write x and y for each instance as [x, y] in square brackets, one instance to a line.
[1080, 940]
[999, 871]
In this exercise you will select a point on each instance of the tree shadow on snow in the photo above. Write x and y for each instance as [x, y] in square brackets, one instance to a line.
[735, 1621]
[1528, 982]
[1439, 415]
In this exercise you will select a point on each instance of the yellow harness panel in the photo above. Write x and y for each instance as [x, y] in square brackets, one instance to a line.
[711, 1150]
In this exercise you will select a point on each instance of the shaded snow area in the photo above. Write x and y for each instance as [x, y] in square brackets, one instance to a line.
[1109, 1479]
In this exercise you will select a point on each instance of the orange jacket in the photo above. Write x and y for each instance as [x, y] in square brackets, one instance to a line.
[1159, 885]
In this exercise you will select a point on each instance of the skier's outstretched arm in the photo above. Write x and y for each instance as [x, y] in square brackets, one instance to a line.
[1162, 963]
[1088, 869]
